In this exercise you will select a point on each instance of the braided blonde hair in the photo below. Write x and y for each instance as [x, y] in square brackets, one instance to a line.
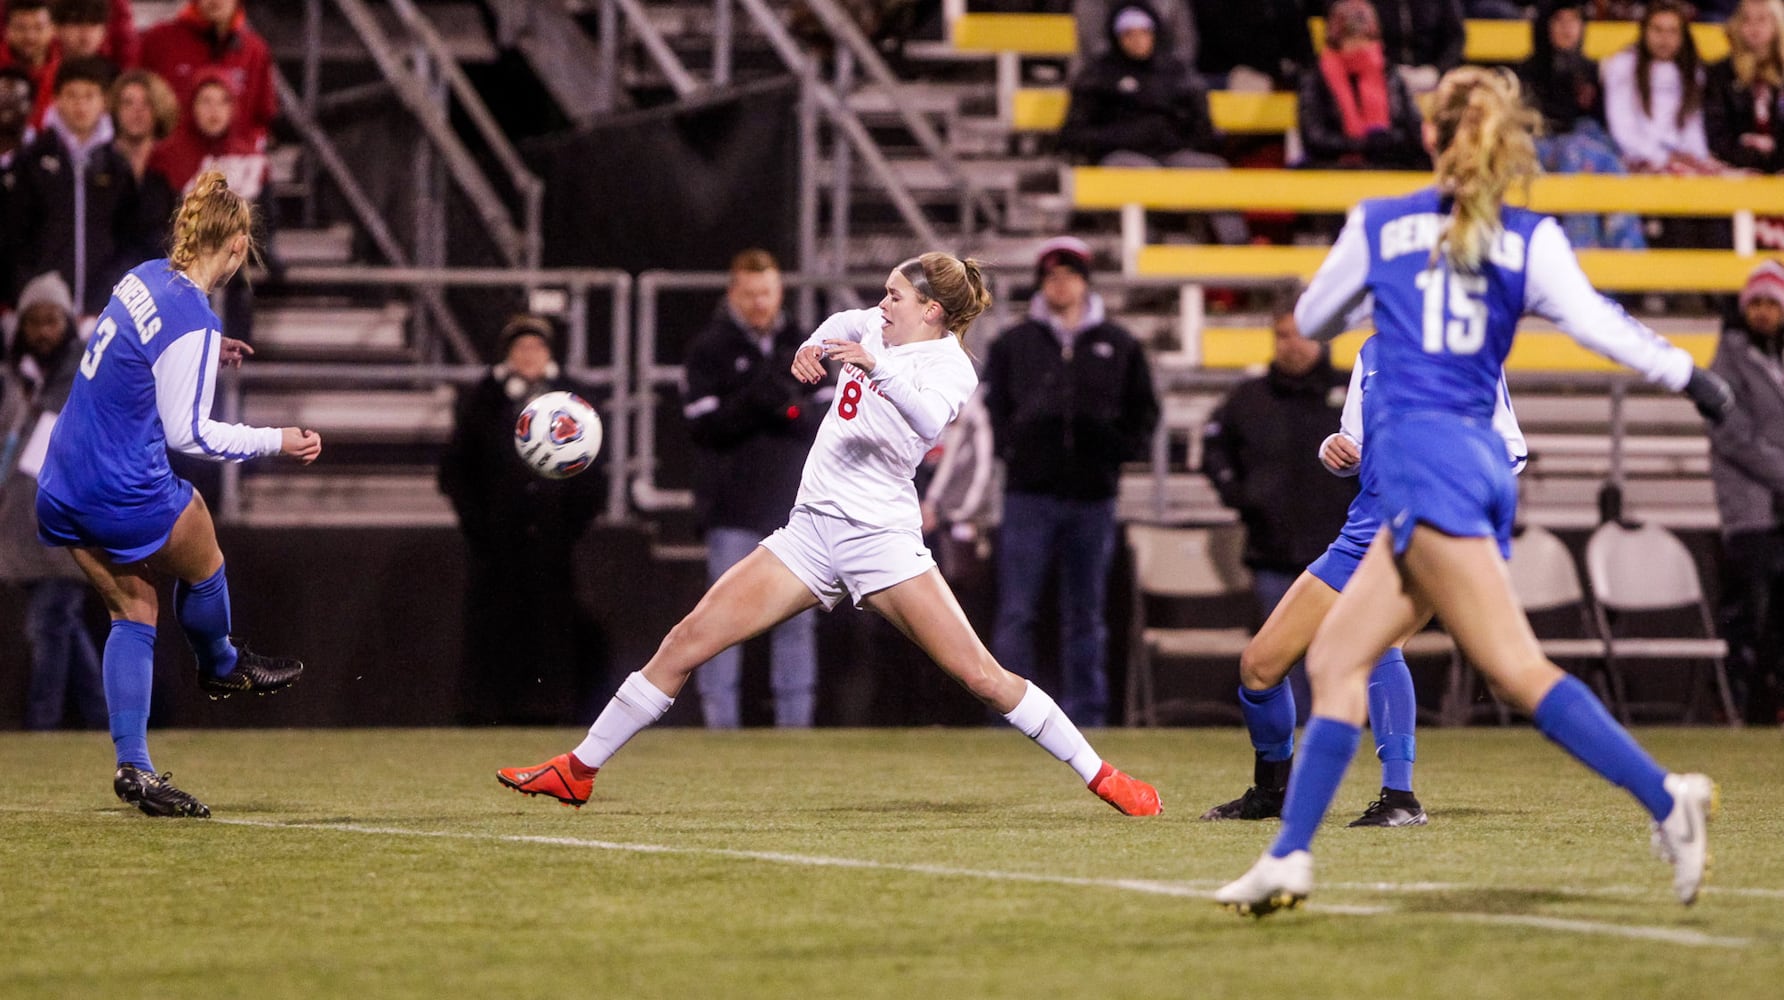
[1485, 134]
[210, 216]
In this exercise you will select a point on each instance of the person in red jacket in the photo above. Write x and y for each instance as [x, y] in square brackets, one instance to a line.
[215, 33]
[120, 31]
[206, 139]
[29, 45]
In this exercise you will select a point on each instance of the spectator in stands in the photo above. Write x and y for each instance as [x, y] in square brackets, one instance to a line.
[16, 99]
[1744, 94]
[1653, 96]
[144, 113]
[1260, 449]
[753, 423]
[206, 139]
[80, 29]
[215, 33]
[1137, 106]
[1176, 26]
[30, 46]
[1355, 110]
[1563, 84]
[1747, 468]
[1070, 398]
[1423, 39]
[120, 45]
[76, 209]
[39, 372]
[1255, 45]
[521, 529]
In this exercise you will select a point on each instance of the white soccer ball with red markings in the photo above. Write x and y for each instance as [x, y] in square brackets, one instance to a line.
[558, 435]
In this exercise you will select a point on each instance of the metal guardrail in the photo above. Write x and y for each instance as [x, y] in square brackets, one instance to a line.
[561, 293]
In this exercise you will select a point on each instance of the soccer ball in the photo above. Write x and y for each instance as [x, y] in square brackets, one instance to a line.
[558, 435]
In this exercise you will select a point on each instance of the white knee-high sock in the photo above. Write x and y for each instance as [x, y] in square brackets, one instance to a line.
[1040, 720]
[635, 705]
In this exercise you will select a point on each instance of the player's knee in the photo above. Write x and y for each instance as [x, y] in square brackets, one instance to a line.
[1258, 671]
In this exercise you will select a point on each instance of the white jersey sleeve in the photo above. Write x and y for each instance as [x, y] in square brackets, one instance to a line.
[186, 387]
[1339, 287]
[850, 324]
[1557, 290]
[928, 397]
[1350, 422]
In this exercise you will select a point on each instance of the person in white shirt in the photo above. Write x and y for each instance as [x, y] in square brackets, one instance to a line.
[856, 531]
[1653, 96]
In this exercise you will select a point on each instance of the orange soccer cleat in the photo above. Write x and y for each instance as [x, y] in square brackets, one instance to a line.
[1126, 793]
[556, 778]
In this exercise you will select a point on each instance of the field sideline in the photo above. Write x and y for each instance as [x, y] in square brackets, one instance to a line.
[858, 863]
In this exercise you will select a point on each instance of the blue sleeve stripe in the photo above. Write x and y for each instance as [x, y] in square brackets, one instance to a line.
[205, 375]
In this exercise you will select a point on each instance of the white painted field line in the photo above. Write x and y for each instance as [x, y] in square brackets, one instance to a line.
[1189, 890]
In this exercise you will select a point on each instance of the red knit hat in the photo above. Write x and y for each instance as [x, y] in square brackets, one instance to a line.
[1766, 282]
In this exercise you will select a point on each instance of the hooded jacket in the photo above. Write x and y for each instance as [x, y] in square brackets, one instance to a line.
[1747, 449]
[31, 390]
[1155, 106]
[75, 211]
[1563, 84]
[1068, 407]
[181, 46]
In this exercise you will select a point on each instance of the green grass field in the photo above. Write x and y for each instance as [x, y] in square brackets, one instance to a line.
[929, 863]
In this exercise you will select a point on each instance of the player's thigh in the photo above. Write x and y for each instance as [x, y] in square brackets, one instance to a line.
[1466, 583]
[925, 610]
[1287, 633]
[754, 595]
[128, 591]
[191, 553]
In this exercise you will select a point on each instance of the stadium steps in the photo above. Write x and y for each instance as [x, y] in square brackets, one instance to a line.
[357, 416]
[393, 496]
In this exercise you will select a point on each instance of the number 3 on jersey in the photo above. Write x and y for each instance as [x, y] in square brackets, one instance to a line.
[102, 338]
[1464, 329]
[848, 402]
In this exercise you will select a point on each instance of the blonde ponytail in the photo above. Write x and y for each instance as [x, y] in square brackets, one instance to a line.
[1486, 143]
[208, 218]
[957, 284]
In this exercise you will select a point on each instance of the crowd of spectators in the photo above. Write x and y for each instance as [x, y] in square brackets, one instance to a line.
[102, 130]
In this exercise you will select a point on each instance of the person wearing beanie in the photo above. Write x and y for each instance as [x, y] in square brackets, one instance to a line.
[1138, 105]
[41, 364]
[1355, 110]
[1747, 470]
[521, 618]
[1070, 397]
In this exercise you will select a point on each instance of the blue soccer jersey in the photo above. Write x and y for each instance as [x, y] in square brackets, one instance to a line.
[146, 384]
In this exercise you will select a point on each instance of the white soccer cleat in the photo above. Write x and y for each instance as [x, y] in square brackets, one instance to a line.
[1682, 839]
[1272, 884]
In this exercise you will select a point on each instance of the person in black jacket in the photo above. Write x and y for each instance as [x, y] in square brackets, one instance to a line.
[520, 529]
[1137, 105]
[1424, 38]
[1261, 450]
[1070, 398]
[1354, 108]
[1269, 37]
[753, 423]
[1743, 101]
[59, 227]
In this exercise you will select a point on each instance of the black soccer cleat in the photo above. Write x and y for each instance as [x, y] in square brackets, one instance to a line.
[155, 794]
[1394, 808]
[253, 674]
[1258, 802]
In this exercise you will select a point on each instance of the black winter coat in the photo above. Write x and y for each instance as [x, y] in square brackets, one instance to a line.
[43, 218]
[752, 421]
[1269, 36]
[1157, 106]
[1064, 422]
[1399, 147]
[1729, 113]
[506, 511]
[1261, 450]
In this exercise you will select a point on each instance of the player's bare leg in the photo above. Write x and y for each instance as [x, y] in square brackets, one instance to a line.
[924, 609]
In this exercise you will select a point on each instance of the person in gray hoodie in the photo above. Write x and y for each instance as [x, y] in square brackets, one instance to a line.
[1747, 469]
[41, 364]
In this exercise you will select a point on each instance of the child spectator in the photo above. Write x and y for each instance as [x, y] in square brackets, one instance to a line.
[1653, 96]
[1563, 84]
[1355, 110]
[75, 203]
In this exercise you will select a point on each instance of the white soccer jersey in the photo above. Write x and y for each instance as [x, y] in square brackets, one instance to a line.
[880, 425]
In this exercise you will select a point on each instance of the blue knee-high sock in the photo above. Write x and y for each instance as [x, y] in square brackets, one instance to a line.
[1572, 716]
[1326, 750]
[203, 610]
[129, 677]
[1270, 718]
[1393, 716]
